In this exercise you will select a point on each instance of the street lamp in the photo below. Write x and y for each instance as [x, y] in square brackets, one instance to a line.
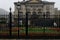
[18, 7]
[26, 23]
[10, 22]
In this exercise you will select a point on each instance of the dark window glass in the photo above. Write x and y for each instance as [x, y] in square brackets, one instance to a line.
[47, 14]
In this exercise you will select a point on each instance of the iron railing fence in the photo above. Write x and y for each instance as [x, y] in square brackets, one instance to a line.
[36, 25]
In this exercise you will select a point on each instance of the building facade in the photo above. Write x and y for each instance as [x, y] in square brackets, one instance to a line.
[57, 13]
[37, 7]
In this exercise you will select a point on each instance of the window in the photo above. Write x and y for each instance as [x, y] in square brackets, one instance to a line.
[47, 14]
[28, 9]
[44, 15]
[20, 22]
[39, 13]
[34, 13]
[20, 14]
[29, 13]
[28, 22]
[39, 10]
[47, 7]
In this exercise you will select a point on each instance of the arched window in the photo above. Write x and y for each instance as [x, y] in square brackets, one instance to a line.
[44, 15]
[40, 14]
[20, 14]
[34, 13]
[47, 14]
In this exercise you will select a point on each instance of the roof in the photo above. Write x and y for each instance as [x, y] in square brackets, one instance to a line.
[28, 2]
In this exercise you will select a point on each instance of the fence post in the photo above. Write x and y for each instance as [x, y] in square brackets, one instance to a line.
[44, 25]
[26, 24]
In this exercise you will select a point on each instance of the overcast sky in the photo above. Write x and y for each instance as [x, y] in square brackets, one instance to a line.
[6, 4]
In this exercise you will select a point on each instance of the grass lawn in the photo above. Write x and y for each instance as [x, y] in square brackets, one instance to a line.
[30, 30]
[37, 30]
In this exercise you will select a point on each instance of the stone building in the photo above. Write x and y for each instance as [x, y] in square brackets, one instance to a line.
[56, 12]
[37, 7]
